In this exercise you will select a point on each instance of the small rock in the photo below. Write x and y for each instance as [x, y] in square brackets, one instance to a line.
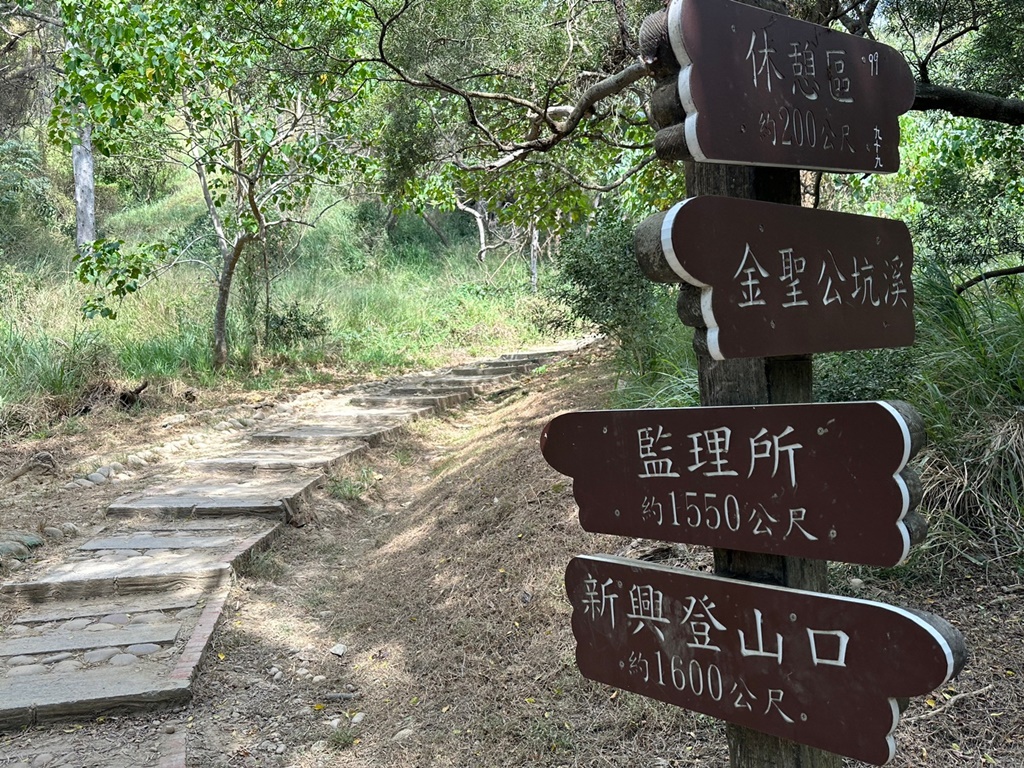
[54, 534]
[335, 722]
[115, 618]
[280, 749]
[339, 649]
[350, 688]
[143, 649]
[105, 471]
[28, 669]
[856, 584]
[148, 618]
[69, 529]
[236, 423]
[76, 624]
[96, 478]
[302, 672]
[403, 734]
[222, 425]
[13, 565]
[43, 760]
[99, 655]
[81, 482]
[20, 661]
[100, 626]
[358, 717]
[319, 678]
[170, 422]
[123, 660]
[72, 485]
[18, 629]
[55, 658]
[278, 675]
[69, 665]
[169, 728]
[135, 461]
[117, 467]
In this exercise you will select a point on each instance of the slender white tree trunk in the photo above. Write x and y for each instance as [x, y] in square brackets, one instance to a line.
[85, 188]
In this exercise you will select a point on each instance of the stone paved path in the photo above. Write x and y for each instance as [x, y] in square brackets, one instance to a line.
[123, 623]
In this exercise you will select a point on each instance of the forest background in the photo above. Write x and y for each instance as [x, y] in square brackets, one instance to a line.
[232, 194]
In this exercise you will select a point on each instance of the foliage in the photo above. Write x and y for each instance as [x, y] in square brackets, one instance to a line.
[113, 273]
[601, 285]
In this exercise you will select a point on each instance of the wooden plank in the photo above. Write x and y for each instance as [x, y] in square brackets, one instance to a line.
[820, 481]
[131, 634]
[821, 670]
[780, 280]
[761, 88]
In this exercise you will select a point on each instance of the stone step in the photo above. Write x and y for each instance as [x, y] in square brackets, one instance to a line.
[60, 612]
[491, 371]
[266, 495]
[110, 571]
[82, 640]
[284, 456]
[371, 434]
[480, 384]
[85, 693]
[436, 402]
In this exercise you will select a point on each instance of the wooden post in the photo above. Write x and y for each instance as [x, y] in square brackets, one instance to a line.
[740, 382]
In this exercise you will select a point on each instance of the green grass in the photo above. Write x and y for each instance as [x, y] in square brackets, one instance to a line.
[350, 300]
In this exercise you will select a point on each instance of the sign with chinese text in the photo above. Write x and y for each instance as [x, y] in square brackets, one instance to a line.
[817, 481]
[785, 280]
[761, 88]
[821, 670]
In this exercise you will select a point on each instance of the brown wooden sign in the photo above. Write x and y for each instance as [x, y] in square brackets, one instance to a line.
[821, 670]
[785, 280]
[764, 89]
[826, 481]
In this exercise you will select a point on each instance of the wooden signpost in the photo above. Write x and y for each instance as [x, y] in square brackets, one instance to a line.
[799, 676]
[810, 668]
[784, 280]
[761, 88]
[826, 481]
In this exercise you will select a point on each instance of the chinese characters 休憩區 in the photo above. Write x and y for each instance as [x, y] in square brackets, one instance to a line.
[772, 64]
[702, 631]
[859, 283]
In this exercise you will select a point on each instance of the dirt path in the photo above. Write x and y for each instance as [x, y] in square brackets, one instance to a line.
[437, 562]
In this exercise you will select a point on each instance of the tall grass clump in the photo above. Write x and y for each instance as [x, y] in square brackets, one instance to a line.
[970, 391]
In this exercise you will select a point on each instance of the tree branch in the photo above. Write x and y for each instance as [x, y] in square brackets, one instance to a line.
[983, 106]
[1019, 270]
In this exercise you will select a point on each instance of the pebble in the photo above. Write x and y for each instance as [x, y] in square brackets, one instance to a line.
[74, 624]
[99, 655]
[280, 749]
[319, 678]
[55, 658]
[105, 471]
[18, 629]
[13, 565]
[403, 734]
[358, 717]
[20, 661]
[123, 660]
[148, 618]
[73, 484]
[135, 461]
[335, 722]
[274, 671]
[857, 584]
[170, 422]
[70, 529]
[302, 672]
[83, 483]
[339, 649]
[143, 649]
[100, 626]
[53, 533]
[278, 675]
[70, 665]
[117, 467]
[169, 728]
[28, 669]
[115, 618]
[43, 760]
[96, 478]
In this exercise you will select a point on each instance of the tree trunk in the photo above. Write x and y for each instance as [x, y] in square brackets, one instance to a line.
[534, 255]
[220, 312]
[85, 188]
